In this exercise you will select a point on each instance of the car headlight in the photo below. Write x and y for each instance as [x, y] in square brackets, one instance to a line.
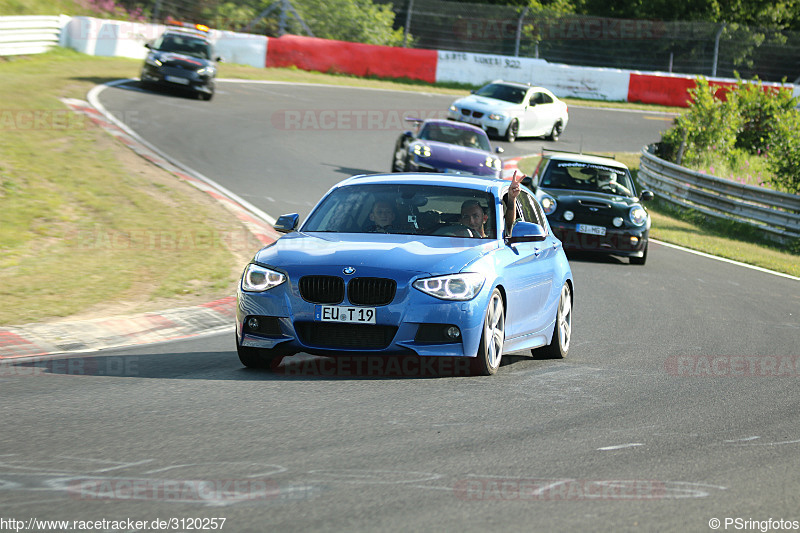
[493, 162]
[206, 71]
[549, 205]
[461, 287]
[454, 109]
[259, 279]
[422, 150]
[496, 116]
[637, 215]
[153, 61]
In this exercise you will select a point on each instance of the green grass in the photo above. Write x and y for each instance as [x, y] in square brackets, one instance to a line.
[80, 226]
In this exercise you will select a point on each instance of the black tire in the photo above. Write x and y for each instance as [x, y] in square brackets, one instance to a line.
[257, 357]
[490, 351]
[512, 131]
[400, 158]
[555, 133]
[640, 260]
[205, 96]
[562, 332]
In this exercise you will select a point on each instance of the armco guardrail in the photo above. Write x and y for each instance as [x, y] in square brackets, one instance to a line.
[774, 212]
[30, 35]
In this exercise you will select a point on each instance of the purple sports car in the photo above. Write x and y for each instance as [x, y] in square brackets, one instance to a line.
[447, 147]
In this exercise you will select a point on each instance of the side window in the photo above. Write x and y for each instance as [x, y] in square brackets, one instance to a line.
[530, 209]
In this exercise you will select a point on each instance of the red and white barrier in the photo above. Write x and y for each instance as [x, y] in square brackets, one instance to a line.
[126, 39]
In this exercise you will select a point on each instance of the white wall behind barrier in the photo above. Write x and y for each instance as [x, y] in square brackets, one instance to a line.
[114, 38]
[563, 80]
[241, 48]
[109, 38]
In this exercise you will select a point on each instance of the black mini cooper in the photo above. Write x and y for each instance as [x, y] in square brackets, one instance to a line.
[591, 204]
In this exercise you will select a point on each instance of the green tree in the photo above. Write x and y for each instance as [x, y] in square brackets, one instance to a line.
[351, 20]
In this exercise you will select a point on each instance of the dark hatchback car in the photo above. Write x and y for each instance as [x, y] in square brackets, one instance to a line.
[181, 58]
[592, 204]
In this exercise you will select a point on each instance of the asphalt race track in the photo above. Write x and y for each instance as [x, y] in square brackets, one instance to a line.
[678, 404]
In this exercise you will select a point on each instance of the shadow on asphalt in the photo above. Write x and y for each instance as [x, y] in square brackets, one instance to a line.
[226, 366]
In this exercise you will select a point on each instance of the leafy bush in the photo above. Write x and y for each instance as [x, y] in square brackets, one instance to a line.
[784, 154]
[707, 124]
[724, 127]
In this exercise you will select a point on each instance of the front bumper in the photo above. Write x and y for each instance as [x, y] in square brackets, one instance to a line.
[627, 242]
[492, 127]
[178, 79]
[417, 165]
[401, 328]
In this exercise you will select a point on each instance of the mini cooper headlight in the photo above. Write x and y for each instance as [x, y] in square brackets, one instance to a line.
[461, 287]
[259, 279]
[422, 150]
[637, 215]
[549, 205]
[496, 116]
[206, 71]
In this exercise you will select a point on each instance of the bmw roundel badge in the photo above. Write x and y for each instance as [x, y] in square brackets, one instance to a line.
[349, 270]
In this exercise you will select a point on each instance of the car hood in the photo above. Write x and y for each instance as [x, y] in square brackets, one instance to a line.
[173, 59]
[483, 103]
[458, 157]
[565, 196]
[372, 254]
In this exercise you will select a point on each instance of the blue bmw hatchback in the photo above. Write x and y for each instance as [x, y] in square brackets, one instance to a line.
[409, 264]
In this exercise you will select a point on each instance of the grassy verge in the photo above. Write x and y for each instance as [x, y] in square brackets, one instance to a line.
[718, 237]
[88, 228]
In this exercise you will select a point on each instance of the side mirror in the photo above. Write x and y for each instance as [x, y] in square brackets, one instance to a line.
[408, 134]
[499, 150]
[646, 196]
[528, 182]
[287, 223]
[148, 46]
[219, 59]
[526, 232]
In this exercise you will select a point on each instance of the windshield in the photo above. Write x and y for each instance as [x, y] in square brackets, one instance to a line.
[406, 209]
[187, 45]
[455, 135]
[499, 91]
[587, 177]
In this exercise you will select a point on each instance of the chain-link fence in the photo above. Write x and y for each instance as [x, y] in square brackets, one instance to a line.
[683, 47]
[697, 48]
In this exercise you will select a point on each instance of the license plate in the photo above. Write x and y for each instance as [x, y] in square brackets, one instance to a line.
[341, 313]
[592, 230]
[176, 79]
